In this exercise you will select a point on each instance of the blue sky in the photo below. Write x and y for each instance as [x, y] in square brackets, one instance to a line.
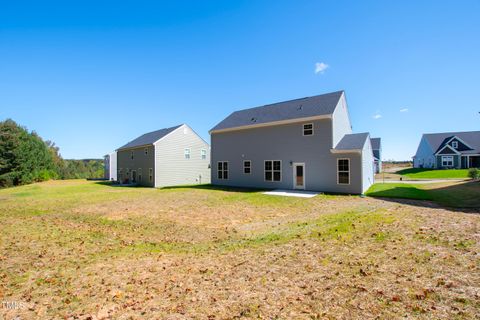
[92, 75]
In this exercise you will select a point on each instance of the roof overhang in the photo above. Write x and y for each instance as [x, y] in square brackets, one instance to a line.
[455, 152]
[273, 123]
[346, 150]
[135, 147]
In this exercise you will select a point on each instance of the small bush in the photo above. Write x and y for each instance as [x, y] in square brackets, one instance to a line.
[474, 173]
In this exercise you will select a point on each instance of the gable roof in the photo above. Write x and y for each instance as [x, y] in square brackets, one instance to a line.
[438, 140]
[353, 141]
[149, 138]
[376, 143]
[321, 105]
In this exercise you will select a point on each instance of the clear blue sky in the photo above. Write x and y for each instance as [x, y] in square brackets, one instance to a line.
[92, 75]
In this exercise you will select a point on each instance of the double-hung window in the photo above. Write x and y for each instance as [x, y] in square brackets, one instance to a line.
[343, 171]
[447, 161]
[150, 174]
[455, 144]
[146, 151]
[222, 170]
[203, 154]
[131, 155]
[273, 170]
[187, 153]
[247, 166]
[308, 129]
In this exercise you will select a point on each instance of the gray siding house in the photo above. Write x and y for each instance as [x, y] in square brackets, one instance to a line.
[377, 154]
[167, 157]
[299, 144]
[448, 150]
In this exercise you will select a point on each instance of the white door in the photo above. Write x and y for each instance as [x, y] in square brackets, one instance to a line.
[299, 175]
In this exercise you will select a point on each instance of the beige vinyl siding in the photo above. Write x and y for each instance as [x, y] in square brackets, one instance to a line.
[171, 167]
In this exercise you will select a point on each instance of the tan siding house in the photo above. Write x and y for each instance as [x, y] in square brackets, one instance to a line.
[167, 157]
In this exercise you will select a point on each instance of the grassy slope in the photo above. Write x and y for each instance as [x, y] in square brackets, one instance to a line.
[417, 173]
[73, 248]
[463, 195]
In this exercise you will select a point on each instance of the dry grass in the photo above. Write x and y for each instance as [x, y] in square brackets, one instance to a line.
[81, 250]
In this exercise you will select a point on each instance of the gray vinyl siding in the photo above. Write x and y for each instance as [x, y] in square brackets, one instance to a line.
[171, 167]
[140, 161]
[424, 158]
[341, 120]
[285, 143]
[368, 171]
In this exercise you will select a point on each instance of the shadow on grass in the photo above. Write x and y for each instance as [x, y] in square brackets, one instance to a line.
[413, 170]
[464, 197]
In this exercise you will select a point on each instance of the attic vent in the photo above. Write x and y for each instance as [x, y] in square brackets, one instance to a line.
[253, 119]
[300, 107]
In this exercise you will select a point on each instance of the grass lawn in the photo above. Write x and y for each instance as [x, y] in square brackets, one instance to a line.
[452, 194]
[417, 173]
[85, 250]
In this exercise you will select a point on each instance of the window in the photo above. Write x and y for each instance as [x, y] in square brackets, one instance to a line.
[455, 144]
[146, 151]
[447, 161]
[308, 129]
[139, 174]
[273, 170]
[203, 154]
[247, 166]
[150, 174]
[187, 153]
[120, 175]
[131, 155]
[343, 170]
[222, 170]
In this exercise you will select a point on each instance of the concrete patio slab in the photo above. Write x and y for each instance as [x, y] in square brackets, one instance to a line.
[292, 193]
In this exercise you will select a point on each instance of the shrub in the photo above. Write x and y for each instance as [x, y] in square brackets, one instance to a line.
[474, 173]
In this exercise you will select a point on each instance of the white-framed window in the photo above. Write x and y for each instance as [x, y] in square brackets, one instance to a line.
[146, 151]
[186, 153]
[455, 144]
[247, 166]
[447, 161]
[308, 129]
[273, 170]
[131, 155]
[203, 154]
[139, 174]
[343, 171]
[150, 174]
[222, 170]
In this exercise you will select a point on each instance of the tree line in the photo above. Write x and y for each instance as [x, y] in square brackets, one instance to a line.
[25, 158]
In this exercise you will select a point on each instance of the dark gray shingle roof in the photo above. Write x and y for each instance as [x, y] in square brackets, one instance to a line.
[353, 141]
[438, 140]
[149, 138]
[376, 143]
[293, 109]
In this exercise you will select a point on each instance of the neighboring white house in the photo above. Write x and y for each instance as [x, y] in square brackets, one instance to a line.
[110, 166]
[377, 154]
[448, 150]
[166, 157]
[299, 144]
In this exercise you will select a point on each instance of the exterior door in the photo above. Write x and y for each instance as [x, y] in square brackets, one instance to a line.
[134, 176]
[299, 176]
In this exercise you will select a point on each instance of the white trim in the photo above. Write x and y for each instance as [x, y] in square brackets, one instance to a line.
[273, 123]
[447, 146]
[349, 171]
[249, 167]
[455, 144]
[187, 151]
[456, 137]
[281, 171]
[223, 170]
[303, 129]
[294, 165]
[447, 156]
